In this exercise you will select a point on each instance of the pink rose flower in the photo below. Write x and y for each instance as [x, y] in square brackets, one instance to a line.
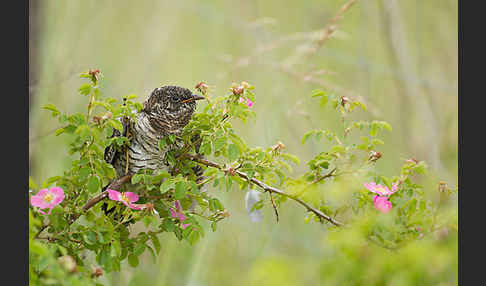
[127, 198]
[177, 213]
[248, 101]
[379, 189]
[382, 204]
[381, 201]
[47, 198]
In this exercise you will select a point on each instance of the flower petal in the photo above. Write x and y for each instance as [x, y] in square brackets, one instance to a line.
[184, 225]
[42, 192]
[58, 195]
[132, 197]
[113, 195]
[382, 204]
[181, 216]
[249, 102]
[38, 201]
[372, 187]
[173, 213]
[178, 205]
[139, 206]
[135, 207]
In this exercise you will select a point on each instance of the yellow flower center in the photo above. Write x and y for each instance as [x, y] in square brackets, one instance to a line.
[48, 198]
[124, 198]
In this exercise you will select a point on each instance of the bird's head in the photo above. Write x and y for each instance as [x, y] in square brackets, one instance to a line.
[169, 108]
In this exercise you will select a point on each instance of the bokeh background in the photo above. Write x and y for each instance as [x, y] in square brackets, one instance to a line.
[399, 57]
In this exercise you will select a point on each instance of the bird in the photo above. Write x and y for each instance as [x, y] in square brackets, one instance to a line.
[166, 111]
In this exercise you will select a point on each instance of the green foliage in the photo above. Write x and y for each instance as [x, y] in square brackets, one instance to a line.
[71, 230]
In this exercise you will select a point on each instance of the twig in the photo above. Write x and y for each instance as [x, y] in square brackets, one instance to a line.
[331, 173]
[40, 230]
[265, 187]
[273, 204]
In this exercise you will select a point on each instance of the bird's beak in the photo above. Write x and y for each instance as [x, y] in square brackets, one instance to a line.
[193, 98]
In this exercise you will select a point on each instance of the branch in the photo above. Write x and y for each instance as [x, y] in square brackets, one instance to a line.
[318, 179]
[264, 186]
[116, 184]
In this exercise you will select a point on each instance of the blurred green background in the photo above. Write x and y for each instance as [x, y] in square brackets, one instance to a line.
[400, 57]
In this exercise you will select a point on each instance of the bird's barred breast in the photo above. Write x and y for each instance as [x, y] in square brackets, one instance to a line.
[143, 151]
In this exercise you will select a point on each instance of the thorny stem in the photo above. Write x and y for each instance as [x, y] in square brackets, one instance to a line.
[265, 187]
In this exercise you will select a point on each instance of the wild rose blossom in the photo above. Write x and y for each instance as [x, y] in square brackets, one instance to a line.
[382, 204]
[127, 198]
[177, 213]
[47, 198]
[379, 189]
[248, 101]
[381, 201]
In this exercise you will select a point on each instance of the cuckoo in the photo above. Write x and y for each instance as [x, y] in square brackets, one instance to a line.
[166, 111]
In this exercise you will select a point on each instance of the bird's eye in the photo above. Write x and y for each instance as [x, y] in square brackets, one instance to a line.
[174, 98]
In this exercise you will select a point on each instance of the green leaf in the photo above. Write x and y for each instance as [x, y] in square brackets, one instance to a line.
[386, 125]
[136, 178]
[324, 101]
[155, 241]
[133, 260]
[214, 226]
[317, 92]
[205, 148]
[116, 124]
[166, 186]
[377, 142]
[219, 143]
[167, 225]
[373, 130]
[162, 144]
[85, 89]
[93, 184]
[233, 152]
[60, 131]
[139, 249]
[53, 108]
[337, 149]
[291, 157]
[180, 190]
[307, 136]
[115, 248]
